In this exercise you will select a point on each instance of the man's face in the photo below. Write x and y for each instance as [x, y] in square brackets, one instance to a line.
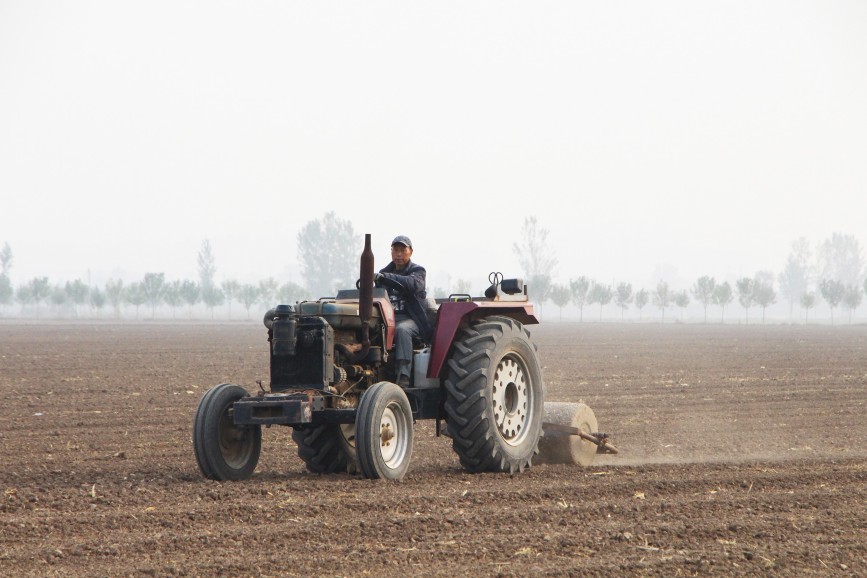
[400, 255]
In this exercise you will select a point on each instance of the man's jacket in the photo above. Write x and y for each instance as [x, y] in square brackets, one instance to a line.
[407, 289]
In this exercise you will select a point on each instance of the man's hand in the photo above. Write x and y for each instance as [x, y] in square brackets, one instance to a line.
[377, 277]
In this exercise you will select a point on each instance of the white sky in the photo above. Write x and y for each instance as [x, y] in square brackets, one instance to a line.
[693, 137]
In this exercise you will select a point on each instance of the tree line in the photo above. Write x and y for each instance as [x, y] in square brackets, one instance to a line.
[328, 256]
[750, 292]
[151, 292]
[834, 273]
[327, 251]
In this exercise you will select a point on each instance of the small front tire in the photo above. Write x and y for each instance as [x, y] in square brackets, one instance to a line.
[384, 436]
[224, 451]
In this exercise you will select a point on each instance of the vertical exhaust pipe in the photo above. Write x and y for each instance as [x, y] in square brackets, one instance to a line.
[365, 297]
[365, 293]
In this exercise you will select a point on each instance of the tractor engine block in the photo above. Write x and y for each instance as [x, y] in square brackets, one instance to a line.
[316, 347]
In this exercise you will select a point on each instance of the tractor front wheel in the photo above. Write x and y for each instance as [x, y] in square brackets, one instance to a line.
[383, 427]
[224, 451]
[495, 396]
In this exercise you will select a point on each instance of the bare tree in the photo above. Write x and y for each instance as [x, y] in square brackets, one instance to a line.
[852, 299]
[746, 294]
[114, 292]
[808, 301]
[5, 259]
[832, 291]
[153, 286]
[211, 295]
[580, 289]
[841, 259]
[268, 292]
[560, 295]
[39, 290]
[539, 287]
[6, 292]
[172, 296]
[328, 251]
[662, 297]
[97, 299]
[722, 296]
[681, 299]
[796, 273]
[230, 289]
[291, 292]
[207, 266]
[600, 294]
[135, 296]
[58, 297]
[248, 295]
[641, 300]
[623, 297]
[77, 292]
[462, 287]
[191, 294]
[24, 296]
[703, 291]
[763, 291]
[536, 258]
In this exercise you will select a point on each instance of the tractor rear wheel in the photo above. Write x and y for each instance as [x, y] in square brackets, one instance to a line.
[326, 449]
[224, 451]
[495, 396]
[383, 427]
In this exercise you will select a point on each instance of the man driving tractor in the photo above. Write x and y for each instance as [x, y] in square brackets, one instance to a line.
[406, 286]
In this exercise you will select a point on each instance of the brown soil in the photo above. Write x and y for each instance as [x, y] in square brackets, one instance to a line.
[743, 452]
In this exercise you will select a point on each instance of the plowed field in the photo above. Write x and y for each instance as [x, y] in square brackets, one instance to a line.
[744, 452]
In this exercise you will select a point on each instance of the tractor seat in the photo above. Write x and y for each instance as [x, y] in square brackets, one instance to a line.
[431, 308]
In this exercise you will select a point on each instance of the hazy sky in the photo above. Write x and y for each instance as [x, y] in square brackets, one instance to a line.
[691, 136]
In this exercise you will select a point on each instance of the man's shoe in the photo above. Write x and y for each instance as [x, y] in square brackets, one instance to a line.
[403, 381]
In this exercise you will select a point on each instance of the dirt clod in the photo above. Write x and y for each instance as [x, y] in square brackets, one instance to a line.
[756, 465]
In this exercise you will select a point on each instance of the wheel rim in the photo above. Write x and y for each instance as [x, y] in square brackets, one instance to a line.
[235, 445]
[393, 437]
[512, 399]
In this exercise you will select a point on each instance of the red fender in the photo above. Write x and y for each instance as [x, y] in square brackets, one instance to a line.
[452, 314]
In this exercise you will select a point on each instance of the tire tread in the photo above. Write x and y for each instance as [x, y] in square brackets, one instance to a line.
[476, 440]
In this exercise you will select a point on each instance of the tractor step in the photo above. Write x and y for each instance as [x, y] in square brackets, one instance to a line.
[292, 409]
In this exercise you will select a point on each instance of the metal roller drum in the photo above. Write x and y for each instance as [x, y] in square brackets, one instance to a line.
[559, 447]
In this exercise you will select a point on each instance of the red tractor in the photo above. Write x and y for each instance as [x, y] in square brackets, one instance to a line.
[331, 383]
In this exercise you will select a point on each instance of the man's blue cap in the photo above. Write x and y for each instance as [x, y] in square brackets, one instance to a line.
[403, 240]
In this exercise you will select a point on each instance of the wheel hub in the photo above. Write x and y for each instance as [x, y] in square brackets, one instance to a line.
[234, 442]
[511, 400]
[392, 444]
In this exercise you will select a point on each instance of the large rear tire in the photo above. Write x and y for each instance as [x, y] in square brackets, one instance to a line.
[224, 451]
[383, 427]
[495, 396]
[327, 449]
